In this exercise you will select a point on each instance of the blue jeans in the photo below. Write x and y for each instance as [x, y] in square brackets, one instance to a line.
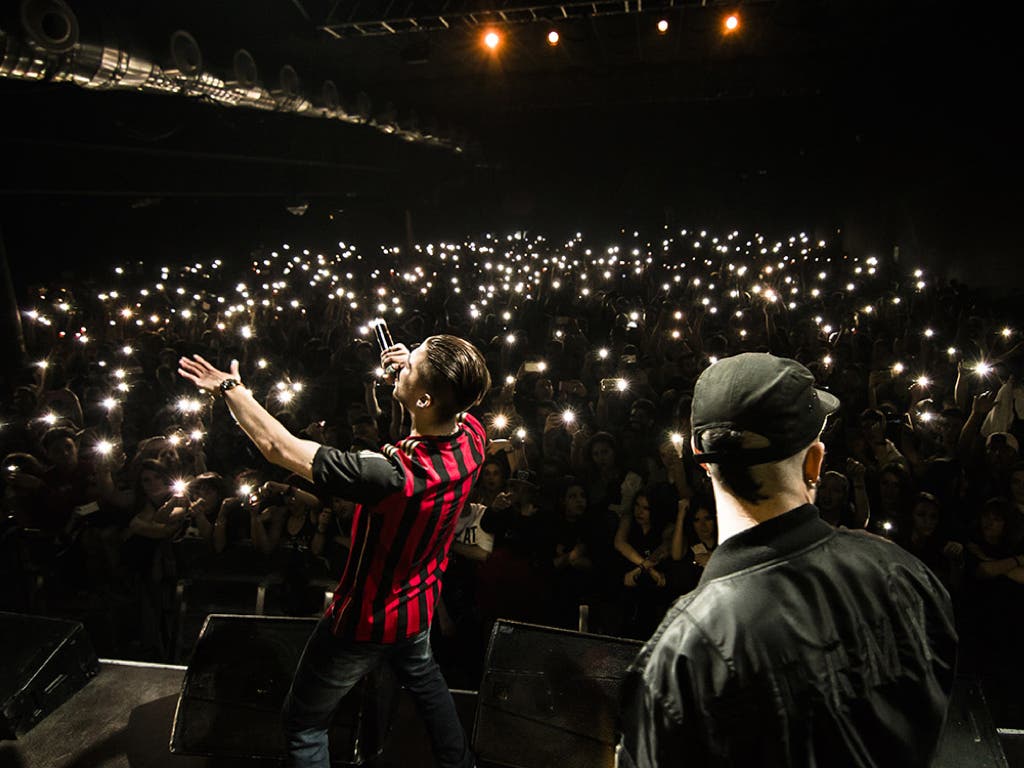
[331, 666]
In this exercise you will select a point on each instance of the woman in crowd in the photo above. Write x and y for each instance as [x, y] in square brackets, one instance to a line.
[575, 581]
[694, 539]
[160, 515]
[925, 539]
[610, 487]
[494, 474]
[642, 543]
[292, 526]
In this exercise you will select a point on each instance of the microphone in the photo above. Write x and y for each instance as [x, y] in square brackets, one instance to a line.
[384, 342]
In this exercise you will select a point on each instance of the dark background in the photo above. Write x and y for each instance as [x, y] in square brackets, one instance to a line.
[889, 123]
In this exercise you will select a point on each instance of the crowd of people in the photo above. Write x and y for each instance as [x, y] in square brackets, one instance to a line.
[125, 491]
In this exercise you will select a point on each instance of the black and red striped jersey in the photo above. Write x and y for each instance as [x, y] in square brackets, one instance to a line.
[409, 497]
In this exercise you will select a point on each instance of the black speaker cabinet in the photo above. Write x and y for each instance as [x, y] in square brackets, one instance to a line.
[44, 662]
[235, 685]
[550, 697]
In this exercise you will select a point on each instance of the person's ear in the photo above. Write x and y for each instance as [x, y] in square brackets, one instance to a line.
[424, 400]
[813, 461]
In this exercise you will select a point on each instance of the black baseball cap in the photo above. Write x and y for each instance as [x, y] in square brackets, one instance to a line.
[756, 392]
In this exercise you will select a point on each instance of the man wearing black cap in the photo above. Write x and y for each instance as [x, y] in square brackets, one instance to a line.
[802, 644]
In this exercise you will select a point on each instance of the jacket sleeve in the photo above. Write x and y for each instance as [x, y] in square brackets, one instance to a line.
[655, 731]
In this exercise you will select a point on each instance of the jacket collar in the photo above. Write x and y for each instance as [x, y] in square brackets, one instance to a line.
[773, 539]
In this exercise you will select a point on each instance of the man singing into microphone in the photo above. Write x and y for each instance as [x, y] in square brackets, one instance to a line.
[409, 497]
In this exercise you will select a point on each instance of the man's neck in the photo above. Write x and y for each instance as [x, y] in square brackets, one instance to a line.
[737, 515]
[421, 427]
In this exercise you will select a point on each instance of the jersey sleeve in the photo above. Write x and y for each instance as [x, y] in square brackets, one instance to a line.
[364, 477]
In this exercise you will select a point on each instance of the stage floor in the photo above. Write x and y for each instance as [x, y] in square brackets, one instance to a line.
[122, 719]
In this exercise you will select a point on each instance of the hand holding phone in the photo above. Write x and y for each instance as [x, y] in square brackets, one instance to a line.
[384, 343]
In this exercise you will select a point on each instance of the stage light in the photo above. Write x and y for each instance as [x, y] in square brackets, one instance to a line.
[492, 39]
[553, 37]
[663, 26]
[731, 23]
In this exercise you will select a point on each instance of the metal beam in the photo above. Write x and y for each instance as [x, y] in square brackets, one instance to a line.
[420, 15]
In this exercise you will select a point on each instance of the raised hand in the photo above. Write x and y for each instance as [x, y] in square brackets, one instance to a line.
[393, 360]
[984, 403]
[502, 501]
[201, 373]
[855, 471]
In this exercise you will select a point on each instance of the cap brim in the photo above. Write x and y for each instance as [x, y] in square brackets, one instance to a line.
[829, 402]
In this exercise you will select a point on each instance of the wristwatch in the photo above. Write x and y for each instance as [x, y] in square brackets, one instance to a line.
[228, 384]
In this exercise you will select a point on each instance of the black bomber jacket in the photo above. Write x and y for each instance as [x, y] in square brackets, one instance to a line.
[801, 646]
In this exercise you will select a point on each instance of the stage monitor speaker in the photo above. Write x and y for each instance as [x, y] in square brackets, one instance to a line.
[550, 697]
[235, 685]
[44, 662]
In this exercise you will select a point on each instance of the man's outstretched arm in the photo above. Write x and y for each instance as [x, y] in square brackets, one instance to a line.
[277, 444]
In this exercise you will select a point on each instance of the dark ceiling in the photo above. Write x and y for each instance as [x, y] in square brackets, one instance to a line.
[887, 117]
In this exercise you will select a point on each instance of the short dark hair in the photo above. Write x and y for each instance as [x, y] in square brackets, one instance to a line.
[738, 479]
[211, 480]
[53, 434]
[460, 368]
